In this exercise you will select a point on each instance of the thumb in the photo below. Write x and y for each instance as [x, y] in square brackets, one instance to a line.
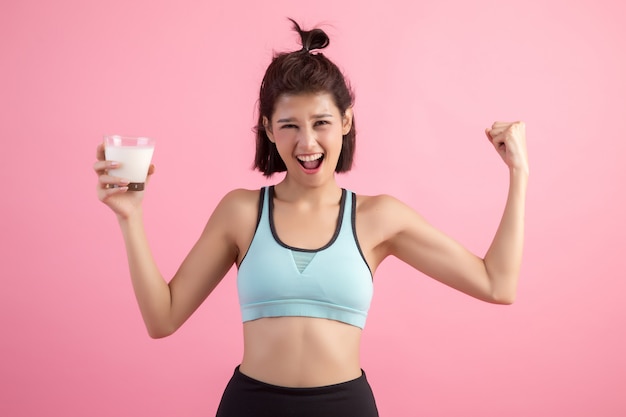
[489, 138]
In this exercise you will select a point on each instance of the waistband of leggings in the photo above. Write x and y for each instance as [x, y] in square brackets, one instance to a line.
[346, 385]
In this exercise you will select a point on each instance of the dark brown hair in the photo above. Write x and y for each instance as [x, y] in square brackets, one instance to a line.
[303, 71]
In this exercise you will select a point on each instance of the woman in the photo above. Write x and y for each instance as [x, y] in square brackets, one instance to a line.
[307, 250]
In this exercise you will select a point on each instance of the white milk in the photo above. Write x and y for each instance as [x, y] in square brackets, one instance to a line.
[134, 161]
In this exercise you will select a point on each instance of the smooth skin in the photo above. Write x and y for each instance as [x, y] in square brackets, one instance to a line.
[303, 351]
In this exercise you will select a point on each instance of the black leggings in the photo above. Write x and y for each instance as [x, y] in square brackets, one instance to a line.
[248, 397]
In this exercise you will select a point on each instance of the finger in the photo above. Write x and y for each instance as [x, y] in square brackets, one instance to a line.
[101, 167]
[110, 191]
[519, 126]
[499, 146]
[500, 127]
[488, 134]
[498, 140]
[500, 124]
[106, 181]
[100, 152]
[496, 133]
[508, 129]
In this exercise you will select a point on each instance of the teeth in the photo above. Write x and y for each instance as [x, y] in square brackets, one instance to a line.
[309, 158]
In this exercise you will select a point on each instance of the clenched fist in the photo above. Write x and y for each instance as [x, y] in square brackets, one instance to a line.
[509, 140]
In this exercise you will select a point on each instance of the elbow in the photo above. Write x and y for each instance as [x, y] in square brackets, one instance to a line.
[505, 300]
[159, 332]
[503, 297]
[502, 288]
[157, 335]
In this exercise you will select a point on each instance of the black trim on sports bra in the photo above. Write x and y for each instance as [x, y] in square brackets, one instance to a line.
[356, 239]
[342, 205]
[260, 209]
[258, 221]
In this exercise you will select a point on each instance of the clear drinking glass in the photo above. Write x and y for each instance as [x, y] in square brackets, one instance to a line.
[134, 155]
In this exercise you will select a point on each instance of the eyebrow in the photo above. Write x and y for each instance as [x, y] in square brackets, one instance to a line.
[293, 119]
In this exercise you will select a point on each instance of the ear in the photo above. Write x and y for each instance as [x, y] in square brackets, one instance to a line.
[347, 121]
[268, 129]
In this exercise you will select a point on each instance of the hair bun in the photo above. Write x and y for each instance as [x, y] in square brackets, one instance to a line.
[311, 39]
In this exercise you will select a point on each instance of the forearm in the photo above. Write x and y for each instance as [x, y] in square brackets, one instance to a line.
[151, 290]
[504, 258]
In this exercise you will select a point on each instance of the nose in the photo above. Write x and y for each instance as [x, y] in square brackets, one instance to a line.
[307, 137]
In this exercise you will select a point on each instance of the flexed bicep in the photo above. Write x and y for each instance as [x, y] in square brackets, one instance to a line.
[437, 255]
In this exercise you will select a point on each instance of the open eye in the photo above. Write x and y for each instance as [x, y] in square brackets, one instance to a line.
[322, 122]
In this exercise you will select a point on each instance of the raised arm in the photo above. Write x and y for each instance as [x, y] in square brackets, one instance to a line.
[165, 306]
[492, 278]
[503, 260]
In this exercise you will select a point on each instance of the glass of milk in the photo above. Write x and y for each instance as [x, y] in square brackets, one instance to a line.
[134, 155]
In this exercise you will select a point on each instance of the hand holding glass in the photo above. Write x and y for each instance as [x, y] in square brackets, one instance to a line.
[134, 155]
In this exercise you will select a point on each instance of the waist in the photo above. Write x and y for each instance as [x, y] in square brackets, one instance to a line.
[301, 351]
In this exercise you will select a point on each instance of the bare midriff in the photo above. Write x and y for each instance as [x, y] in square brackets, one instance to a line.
[301, 351]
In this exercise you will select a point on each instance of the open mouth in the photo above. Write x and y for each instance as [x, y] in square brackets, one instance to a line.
[312, 161]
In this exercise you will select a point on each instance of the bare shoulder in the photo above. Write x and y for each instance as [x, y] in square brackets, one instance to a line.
[237, 207]
[387, 217]
[235, 218]
[376, 202]
[379, 220]
[240, 199]
[382, 208]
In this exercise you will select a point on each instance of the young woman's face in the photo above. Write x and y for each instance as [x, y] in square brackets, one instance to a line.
[308, 130]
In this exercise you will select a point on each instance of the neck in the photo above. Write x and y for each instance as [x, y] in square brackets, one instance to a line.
[327, 193]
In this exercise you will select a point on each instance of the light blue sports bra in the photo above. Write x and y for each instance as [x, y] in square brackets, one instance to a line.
[333, 282]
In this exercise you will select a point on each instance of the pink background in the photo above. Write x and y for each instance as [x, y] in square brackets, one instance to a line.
[429, 77]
